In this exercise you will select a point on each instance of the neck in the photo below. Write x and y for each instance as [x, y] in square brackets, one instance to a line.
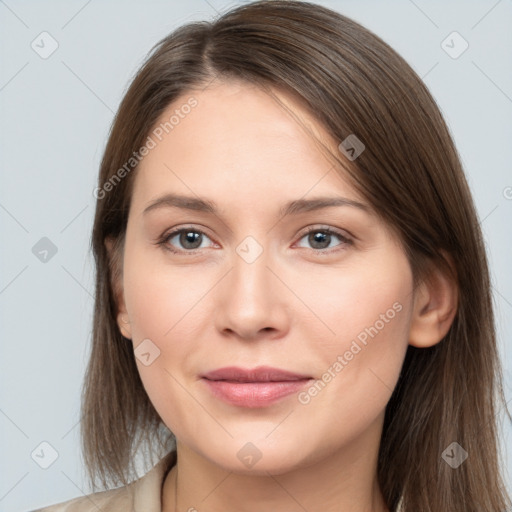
[342, 480]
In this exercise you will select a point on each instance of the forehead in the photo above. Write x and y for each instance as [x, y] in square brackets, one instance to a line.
[241, 140]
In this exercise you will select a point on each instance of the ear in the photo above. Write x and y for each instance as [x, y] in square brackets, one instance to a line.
[435, 306]
[115, 255]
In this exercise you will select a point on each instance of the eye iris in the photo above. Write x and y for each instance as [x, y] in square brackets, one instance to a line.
[320, 237]
[187, 237]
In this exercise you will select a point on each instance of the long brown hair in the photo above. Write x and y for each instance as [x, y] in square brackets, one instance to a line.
[354, 83]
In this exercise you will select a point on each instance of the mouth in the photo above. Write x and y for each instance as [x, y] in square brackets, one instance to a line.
[253, 388]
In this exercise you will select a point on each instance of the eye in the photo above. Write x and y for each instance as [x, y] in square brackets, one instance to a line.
[189, 238]
[321, 238]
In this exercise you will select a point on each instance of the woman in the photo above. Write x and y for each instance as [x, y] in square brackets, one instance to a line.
[326, 342]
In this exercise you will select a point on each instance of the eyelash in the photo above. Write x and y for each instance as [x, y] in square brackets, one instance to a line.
[164, 239]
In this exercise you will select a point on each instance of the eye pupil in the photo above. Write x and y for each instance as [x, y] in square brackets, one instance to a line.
[189, 237]
[319, 237]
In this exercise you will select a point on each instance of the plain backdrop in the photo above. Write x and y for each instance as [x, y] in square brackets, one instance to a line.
[56, 111]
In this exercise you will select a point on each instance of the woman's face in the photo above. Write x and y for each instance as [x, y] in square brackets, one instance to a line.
[249, 287]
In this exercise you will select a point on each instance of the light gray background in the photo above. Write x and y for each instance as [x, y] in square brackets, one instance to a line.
[55, 116]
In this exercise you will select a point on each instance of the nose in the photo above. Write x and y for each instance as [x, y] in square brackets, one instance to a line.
[251, 300]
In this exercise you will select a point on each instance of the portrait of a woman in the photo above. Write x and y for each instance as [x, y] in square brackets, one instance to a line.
[292, 306]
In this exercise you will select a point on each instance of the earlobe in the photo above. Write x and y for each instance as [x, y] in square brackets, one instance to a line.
[434, 309]
[123, 323]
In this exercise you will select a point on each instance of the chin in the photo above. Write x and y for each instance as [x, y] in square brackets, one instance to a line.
[259, 457]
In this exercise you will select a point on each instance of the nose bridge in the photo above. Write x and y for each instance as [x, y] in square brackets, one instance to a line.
[251, 300]
[251, 277]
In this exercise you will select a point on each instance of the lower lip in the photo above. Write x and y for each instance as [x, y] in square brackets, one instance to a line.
[254, 394]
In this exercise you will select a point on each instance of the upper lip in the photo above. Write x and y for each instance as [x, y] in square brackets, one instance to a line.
[258, 374]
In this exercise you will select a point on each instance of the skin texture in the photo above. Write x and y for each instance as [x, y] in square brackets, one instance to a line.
[298, 307]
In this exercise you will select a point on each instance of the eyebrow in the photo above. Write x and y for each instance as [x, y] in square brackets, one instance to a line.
[291, 208]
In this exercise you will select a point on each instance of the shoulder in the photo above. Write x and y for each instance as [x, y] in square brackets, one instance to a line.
[143, 494]
[106, 501]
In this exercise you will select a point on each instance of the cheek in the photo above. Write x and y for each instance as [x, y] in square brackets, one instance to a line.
[166, 305]
[369, 311]
[162, 306]
[366, 301]
[159, 300]
[365, 311]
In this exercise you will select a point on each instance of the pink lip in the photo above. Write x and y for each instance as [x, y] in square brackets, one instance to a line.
[256, 387]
